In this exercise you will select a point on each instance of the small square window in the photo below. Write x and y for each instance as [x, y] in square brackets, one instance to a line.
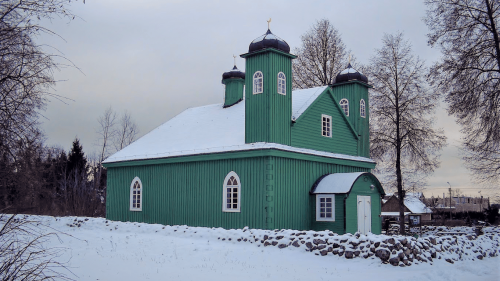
[325, 207]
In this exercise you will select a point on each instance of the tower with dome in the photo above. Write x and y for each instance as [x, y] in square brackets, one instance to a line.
[269, 157]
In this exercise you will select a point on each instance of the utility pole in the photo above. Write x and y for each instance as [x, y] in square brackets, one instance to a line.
[450, 197]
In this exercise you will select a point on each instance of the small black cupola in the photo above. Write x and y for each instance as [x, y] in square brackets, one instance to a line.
[350, 74]
[268, 40]
[235, 82]
[234, 73]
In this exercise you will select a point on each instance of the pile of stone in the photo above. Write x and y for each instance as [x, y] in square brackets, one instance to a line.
[395, 250]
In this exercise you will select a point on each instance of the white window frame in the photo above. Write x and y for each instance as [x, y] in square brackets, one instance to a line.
[224, 193]
[329, 119]
[344, 104]
[282, 84]
[258, 83]
[362, 108]
[318, 207]
[132, 207]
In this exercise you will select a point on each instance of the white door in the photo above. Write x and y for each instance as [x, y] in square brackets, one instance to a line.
[364, 214]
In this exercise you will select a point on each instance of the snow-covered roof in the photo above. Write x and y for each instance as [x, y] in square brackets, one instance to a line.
[212, 129]
[393, 213]
[416, 206]
[337, 183]
[302, 99]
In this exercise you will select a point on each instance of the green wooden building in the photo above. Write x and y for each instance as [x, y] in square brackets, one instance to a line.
[268, 157]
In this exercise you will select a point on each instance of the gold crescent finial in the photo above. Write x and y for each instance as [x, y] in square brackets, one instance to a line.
[268, 23]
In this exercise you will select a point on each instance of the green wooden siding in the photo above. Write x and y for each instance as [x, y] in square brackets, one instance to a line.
[354, 92]
[233, 91]
[306, 132]
[268, 115]
[274, 193]
[188, 193]
[292, 181]
[362, 187]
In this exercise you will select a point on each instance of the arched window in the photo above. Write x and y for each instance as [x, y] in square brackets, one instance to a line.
[362, 108]
[232, 193]
[281, 83]
[136, 195]
[344, 103]
[258, 83]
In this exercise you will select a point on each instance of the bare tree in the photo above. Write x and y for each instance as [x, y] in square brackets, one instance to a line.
[126, 132]
[106, 132]
[23, 251]
[320, 58]
[401, 106]
[467, 32]
[26, 70]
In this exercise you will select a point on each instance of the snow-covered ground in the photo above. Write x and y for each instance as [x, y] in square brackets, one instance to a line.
[97, 249]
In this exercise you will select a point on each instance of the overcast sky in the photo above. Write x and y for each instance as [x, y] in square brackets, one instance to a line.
[157, 58]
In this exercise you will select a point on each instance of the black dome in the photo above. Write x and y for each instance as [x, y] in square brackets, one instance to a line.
[268, 40]
[234, 73]
[350, 74]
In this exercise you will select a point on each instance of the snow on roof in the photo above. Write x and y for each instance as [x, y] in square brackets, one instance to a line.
[212, 129]
[302, 99]
[393, 213]
[416, 206]
[337, 183]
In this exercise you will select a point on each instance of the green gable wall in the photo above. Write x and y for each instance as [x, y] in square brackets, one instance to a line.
[354, 92]
[268, 115]
[306, 132]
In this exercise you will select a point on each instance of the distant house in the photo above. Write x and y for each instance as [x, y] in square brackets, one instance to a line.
[268, 157]
[458, 203]
[413, 205]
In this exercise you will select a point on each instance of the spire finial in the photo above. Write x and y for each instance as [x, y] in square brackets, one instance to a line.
[269, 24]
[234, 59]
[349, 58]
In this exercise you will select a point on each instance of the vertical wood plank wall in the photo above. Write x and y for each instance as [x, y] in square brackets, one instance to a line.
[274, 193]
[354, 92]
[268, 115]
[306, 132]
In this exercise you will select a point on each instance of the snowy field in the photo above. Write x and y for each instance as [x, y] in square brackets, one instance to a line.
[96, 249]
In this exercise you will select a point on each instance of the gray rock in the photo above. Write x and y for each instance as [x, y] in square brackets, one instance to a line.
[324, 252]
[449, 260]
[383, 254]
[281, 246]
[319, 241]
[349, 254]
[394, 261]
[296, 243]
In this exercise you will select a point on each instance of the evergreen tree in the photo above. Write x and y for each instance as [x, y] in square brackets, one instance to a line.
[76, 158]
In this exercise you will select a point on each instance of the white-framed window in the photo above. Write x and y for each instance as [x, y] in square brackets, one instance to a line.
[344, 103]
[326, 125]
[258, 83]
[325, 207]
[136, 195]
[281, 83]
[231, 193]
[362, 108]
